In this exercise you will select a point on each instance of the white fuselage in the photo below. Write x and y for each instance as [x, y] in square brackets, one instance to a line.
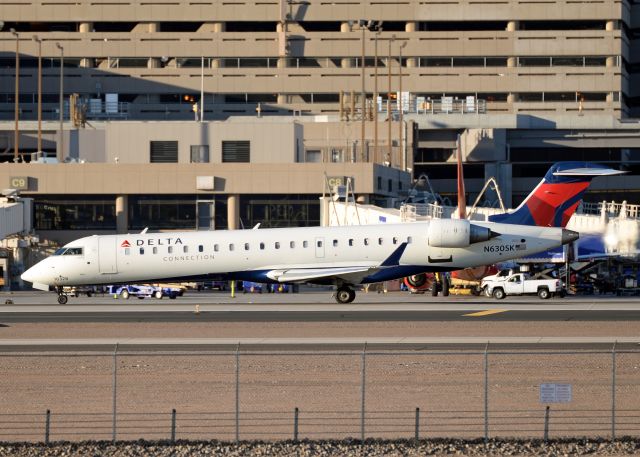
[266, 255]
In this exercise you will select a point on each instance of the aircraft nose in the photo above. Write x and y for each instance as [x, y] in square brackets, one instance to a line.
[30, 275]
[568, 236]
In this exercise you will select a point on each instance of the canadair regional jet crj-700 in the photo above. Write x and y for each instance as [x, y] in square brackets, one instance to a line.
[342, 256]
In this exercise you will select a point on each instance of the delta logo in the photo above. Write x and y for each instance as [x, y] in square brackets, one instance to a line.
[125, 244]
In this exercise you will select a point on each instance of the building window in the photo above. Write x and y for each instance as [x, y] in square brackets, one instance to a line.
[200, 153]
[164, 152]
[84, 213]
[236, 151]
[379, 182]
[313, 156]
[162, 212]
[390, 185]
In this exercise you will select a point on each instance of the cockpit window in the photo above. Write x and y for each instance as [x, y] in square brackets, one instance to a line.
[73, 251]
[60, 251]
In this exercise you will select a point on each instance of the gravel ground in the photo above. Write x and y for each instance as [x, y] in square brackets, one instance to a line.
[325, 448]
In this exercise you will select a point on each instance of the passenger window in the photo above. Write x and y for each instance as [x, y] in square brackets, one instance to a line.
[292, 244]
[261, 245]
[366, 241]
[200, 248]
[350, 241]
[231, 247]
[409, 239]
[216, 248]
[319, 244]
[335, 243]
[141, 251]
[127, 251]
[170, 249]
[277, 245]
[155, 250]
[246, 246]
[395, 240]
[185, 249]
[305, 244]
[380, 241]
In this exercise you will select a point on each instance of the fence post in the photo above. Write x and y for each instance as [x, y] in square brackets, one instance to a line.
[363, 390]
[417, 434]
[238, 392]
[47, 426]
[613, 392]
[295, 424]
[115, 392]
[546, 424]
[486, 394]
[173, 425]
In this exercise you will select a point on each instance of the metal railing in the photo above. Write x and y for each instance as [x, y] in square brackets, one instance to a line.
[295, 395]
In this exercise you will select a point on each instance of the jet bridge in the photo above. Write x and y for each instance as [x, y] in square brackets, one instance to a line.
[16, 226]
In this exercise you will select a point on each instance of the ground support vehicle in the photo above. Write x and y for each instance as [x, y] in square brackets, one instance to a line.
[126, 291]
[519, 284]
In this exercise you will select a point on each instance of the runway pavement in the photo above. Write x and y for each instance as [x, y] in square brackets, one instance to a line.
[33, 307]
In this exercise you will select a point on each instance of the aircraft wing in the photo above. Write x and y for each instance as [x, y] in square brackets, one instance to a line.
[353, 275]
[348, 274]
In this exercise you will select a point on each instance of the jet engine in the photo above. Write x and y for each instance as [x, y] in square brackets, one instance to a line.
[457, 233]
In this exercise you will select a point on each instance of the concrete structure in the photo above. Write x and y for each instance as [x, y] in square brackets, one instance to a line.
[291, 90]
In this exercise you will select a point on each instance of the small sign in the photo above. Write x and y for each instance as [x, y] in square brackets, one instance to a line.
[19, 182]
[555, 393]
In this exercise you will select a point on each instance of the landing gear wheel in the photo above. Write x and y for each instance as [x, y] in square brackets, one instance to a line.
[434, 289]
[63, 299]
[158, 294]
[445, 286]
[124, 294]
[345, 295]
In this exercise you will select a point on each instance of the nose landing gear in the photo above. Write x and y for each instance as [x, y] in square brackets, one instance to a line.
[345, 294]
[62, 298]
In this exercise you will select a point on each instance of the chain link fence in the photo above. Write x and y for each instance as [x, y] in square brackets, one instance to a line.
[241, 395]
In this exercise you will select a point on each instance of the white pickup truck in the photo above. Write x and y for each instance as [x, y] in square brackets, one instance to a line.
[519, 284]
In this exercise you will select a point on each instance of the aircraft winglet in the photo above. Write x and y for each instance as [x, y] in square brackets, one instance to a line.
[394, 259]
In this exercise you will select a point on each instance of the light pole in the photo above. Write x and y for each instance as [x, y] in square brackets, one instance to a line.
[39, 41]
[61, 108]
[375, 93]
[390, 149]
[16, 107]
[400, 100]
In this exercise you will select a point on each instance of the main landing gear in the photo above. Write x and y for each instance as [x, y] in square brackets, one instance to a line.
[345, 294]
[62, 298]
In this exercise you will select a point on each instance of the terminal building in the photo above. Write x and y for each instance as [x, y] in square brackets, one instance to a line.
[177, 114]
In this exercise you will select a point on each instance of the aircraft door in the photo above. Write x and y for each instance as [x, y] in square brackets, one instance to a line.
[319, 247]
[107, 249]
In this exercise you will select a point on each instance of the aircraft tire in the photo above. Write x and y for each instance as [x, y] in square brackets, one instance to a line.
[434, 289]
[417, 281]
[63, 299]
[345, 295]
[445, 286]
